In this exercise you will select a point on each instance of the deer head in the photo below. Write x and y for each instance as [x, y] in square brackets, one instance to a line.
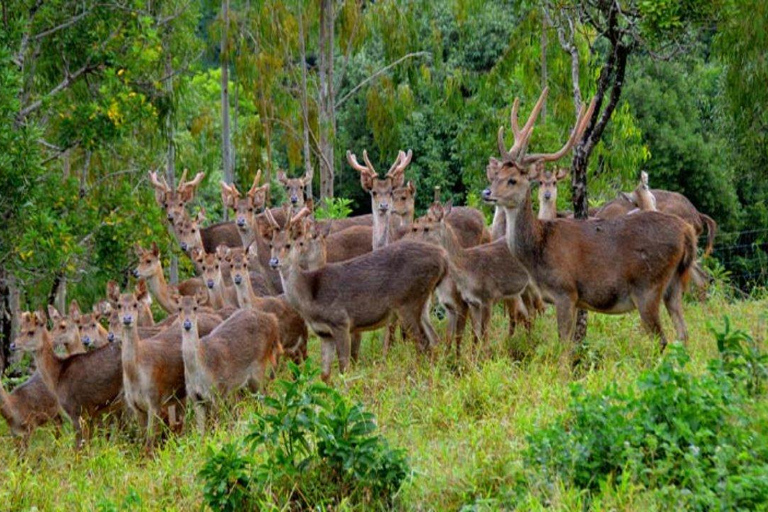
[149, 262]
[33, 332]
[246, 208]
[295, 188]
[511, 176]
[188, 232]
[381, 189]
[91, 331]
[128, 306]
[282, 238]
[173, 202]
[404, 202]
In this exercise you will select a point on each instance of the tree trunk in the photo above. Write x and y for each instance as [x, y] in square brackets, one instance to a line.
[170, 168]
[544, 78]
[327, 122]
[6, 318]
[308, 171]
[225, 136]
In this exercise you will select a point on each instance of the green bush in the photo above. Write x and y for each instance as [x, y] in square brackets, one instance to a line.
[334, 208]
[692, 438]
[309, 447]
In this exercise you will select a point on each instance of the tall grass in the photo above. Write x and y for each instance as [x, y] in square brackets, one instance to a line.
[463, 423]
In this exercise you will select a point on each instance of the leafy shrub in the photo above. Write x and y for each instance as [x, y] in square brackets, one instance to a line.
[693, 438]
[334, 208]
[310, 447]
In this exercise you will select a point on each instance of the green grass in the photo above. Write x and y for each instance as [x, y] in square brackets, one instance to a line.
[463, 423]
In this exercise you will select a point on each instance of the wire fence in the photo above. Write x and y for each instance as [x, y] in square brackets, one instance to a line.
[742, 256]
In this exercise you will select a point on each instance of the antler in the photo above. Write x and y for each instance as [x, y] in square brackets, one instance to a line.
[437, 194]
[401, 162]
[644, 179]
[271, 219]
[255, 185]
[352, 159]
[160, 185]
[521, 136]
[189, 185]
[578, 131]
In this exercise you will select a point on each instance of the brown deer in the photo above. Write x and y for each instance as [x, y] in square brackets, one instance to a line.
[295, 189]
[404, 204]
[642, 196]
[64, 331]
[484, 274]
[359, 294]
[192, 236]
[84, 384]
[145, 318]
[150, 269]
[235, 354]
[246, 208]
[467, 223]
[220, 295]
[93, 334]
[293, 331]
[548, 182]
[153, 368]
[173, 202]
[615, 266]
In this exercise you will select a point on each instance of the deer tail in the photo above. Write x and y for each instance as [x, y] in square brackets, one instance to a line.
[711, 231]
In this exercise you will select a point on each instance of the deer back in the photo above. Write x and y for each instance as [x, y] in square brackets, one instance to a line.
[28, 406]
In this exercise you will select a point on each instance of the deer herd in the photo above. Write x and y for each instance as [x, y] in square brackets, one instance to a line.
[272, 275]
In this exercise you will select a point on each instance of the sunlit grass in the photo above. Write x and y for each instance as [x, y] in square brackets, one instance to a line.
[462, 421]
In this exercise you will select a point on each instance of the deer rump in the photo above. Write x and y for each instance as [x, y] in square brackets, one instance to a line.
[615, 261]
[400, 273]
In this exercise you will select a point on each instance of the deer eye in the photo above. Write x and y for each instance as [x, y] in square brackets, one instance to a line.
[374, 193]
[135, 304]
[192, 230]
[512, 181]
[287, 246]
[250, 209]
[179, 310]
[217, 267]
[270, 245]
[194, 308]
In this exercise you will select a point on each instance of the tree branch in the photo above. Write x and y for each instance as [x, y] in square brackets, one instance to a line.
[64, 25]
[377, 74]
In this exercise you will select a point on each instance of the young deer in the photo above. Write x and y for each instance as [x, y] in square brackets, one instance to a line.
[145, 318]
[84, 384]
[404, 204]
[484, 274]
[293, 331]
[235, 354]
[295, 189]
[192, 236]
[153, 368]
[64, 331]
[93, 334]
[220, 295]
[150, 269]
[548, 181]
[467, 223]
[605, 266]
[360, 294]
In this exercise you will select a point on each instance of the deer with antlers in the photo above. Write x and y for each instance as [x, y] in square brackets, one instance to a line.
[632, 262]
[174, 202]
[359, 294]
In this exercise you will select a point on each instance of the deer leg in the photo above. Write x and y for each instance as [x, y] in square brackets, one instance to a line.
[486, 310]
[343, 342]
[327, 350]
[673, 301]
[152, 415]
[199, 407]
[648, 307]
[457, 323]
[476, 315]
[356, 338]
[433, 340]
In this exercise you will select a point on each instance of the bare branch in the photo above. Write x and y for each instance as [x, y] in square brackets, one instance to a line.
[62, 26]
[378, 73]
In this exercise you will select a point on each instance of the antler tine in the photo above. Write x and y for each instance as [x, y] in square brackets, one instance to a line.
[183, 178]
[505, 155]
[405, 160]
[521, 142]
[198, 178]
[304, 212]
[371, 168]
[352, 159]
[576, 134]
[393, 169]
[513, 118]
[271, 219]
[437, 194]
[256, 181]
[160, 185]
[644, 179]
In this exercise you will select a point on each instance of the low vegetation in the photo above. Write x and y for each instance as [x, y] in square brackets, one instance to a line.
[483, 432]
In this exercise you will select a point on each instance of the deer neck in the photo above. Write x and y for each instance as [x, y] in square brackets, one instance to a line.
[130, 346]
[382, 229]
[295, 284]
[159, 288]
[244, 293]
[191, 348]
[47, 363]
[450, 243]
[523, 232]
[645, 199]
[547, 210]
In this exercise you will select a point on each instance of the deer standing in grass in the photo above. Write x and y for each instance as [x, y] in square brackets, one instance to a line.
[484, 274]
[359, 294]
[153, 368]
[84, 385]
[235, 354]
[615, 266]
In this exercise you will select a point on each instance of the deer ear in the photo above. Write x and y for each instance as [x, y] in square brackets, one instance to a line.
[492, 169]
[411, 188]
[200, 216]
[629, 197]
[74, 308]
[113, 291]
[281, 177]
[447, 207]
[534, 171]
[561, 173]
[141, 290]
[138, 250]
[38, 318]
[309, 204]
[53, 313]
[155, 250]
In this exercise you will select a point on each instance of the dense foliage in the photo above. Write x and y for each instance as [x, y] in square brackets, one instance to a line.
[690, 437]
[309, 447]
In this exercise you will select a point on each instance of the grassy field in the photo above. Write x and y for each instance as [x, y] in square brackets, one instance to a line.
[463, 422]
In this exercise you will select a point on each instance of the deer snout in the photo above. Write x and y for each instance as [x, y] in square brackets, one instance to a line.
[127, 319]
[209, 284]
[274, 263]
[383, 207]
[294, 199]
[241, 222]
[183, 246]
[237, 279]
[87, 341]
[487, 195]
[13, 346]
[187, 325]
[547, 195]
[135, 272]
[111, 337]
[170, 217]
